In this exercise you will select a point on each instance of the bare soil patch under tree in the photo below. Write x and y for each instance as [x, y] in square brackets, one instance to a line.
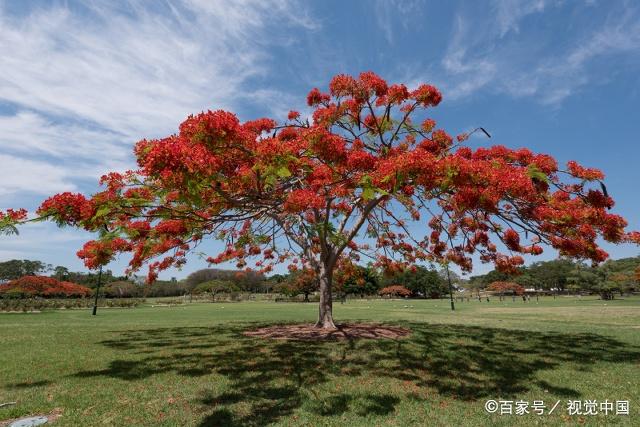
[342, 331]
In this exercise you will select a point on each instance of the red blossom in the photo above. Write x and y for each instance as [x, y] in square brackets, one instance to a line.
[316, 97]
[342, 85]
[371, 82]
[578, 171]
[14, 215]
[511, 239]
[301, 200]
[427, 95]
[293, 115]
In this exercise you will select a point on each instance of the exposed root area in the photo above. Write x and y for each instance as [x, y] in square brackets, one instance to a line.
[344, 331]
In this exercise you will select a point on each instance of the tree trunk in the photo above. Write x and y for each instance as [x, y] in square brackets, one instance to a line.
[325, 312]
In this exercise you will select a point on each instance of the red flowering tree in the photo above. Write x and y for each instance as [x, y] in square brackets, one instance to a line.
[506, 288]
[303, 281]
[344, 185]
[395, 291]
[41, 286]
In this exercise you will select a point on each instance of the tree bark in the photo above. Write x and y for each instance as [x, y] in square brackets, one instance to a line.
[325, 309]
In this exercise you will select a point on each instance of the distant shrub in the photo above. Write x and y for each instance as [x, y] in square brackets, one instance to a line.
[395, 290]
[39, 304]
[506, 288]
[40, 286]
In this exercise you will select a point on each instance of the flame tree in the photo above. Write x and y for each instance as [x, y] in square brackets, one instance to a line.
[370, 176]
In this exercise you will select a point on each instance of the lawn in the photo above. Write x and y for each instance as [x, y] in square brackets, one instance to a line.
[191, 365]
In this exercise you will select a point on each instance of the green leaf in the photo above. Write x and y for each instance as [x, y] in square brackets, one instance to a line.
[283, 172]
[270, 180]
[368, 193]
[365, 180]
[535, 173]
[102, 212]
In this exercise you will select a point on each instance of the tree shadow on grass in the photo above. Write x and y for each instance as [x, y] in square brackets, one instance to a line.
[273, 378]
[28, 384]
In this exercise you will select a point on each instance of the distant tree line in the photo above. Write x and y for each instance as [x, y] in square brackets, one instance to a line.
[562, 276]
[355, 280]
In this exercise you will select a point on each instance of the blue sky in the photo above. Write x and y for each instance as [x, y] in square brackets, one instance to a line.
[81, 82]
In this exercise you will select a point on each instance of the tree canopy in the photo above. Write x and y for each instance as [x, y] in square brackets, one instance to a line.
[342, 185]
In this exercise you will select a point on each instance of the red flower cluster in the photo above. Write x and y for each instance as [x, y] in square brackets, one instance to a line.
[96, 253]
[316, 97]
[427, 95]
[301, 200]
[67, 208]
[14, 215]
[581, 172]
[293, 115]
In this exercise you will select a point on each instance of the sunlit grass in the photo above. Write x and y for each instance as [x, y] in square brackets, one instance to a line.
[192, 366]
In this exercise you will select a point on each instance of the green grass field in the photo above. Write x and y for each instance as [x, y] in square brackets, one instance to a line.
[191, 365]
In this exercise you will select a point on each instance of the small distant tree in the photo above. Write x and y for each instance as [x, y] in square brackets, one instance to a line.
[583, 278]
[606, 289]
[506, 288]
[301, 282]
[273, 283]
[395, 291]
[624, 281]
[357, 280]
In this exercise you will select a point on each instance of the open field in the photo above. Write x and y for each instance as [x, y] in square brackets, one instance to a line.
[191, 365]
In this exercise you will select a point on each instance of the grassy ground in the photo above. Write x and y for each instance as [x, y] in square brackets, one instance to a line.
[184, 366]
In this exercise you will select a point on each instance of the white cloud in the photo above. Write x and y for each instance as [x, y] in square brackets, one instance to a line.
[46, 242]
[570, 71]
[466, 73]
[388, 13]
[88, 81]
[492, 55]
[509, 13]
[20, 175]
[30, 133]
